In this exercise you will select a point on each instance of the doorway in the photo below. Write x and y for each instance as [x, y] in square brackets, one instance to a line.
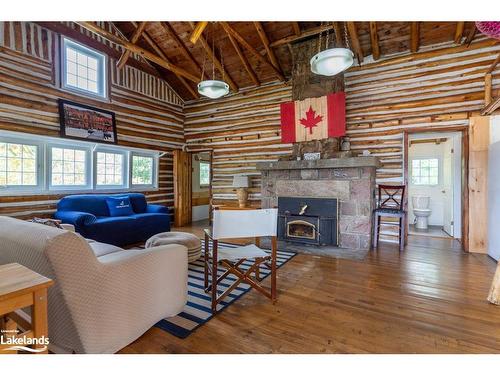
[435, 184]
[192, 186]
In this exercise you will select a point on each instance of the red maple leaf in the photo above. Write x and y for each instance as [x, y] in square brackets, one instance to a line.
[311, 119]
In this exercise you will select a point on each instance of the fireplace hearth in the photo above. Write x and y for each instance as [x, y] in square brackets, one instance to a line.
[325, 206]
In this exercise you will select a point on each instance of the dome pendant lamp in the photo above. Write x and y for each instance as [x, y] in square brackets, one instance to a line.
[332, 61]
[213, 88]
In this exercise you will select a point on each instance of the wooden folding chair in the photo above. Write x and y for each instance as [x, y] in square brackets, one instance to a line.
[232, 224]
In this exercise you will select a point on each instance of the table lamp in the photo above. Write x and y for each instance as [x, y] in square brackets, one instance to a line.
[241, 184]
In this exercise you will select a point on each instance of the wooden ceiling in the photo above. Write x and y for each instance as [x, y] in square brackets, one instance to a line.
[253, 53]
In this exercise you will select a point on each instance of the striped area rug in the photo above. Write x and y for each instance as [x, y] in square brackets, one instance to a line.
[198, 308]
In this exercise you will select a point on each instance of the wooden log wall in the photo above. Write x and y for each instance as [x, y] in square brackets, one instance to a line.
[149, 114]
[441, 86]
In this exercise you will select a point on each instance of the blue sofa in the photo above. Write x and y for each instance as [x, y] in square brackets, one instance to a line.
[91, 217]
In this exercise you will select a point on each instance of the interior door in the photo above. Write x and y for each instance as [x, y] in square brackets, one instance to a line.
[448, 187]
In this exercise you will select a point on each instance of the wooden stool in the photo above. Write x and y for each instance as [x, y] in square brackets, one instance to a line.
[390, 204]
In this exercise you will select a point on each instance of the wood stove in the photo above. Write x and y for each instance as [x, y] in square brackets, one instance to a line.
[308, 220]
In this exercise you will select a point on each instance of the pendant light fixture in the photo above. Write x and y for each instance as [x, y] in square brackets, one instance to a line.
[213, 88]
[332, 61]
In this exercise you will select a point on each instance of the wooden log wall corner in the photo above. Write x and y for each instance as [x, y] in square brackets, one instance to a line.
[436, 87]
[149, 114]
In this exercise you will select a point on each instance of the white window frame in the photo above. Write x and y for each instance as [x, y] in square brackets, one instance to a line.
[209, 173]
[40, 176]
[154, 179]
[88, 162]
[102, 80]
[420, 158]
[125, 168]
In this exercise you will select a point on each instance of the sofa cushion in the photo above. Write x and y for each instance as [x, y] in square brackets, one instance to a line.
[92, 204]
[119, 206]
[139, 203]
[119, 230]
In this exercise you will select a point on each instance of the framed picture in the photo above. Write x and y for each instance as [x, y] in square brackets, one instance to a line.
[83, 122]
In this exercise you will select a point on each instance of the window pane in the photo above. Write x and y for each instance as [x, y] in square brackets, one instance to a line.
[433, 180]
[109, 168]
[84, 68]
[64, 167]
[204, 173]
[142, 170]
[433, 163]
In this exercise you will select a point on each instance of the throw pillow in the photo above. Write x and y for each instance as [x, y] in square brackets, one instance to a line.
[50, 222]
[119, 206]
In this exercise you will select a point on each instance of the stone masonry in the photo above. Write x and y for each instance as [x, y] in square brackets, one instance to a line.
[350, 180]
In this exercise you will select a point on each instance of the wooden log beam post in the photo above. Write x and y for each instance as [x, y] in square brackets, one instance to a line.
[160, 53]
[494, 295]
[471, 35]
[247, 45]
[374, 41]
[215, 60]
[136, 49]
[296, 28]
[353, 33]
[244, 60]
[338, 34]
[265, 42]
[459, 32]
[303, 35]
[135, 37]
[487, 89]
[414, 36]
[198, 30]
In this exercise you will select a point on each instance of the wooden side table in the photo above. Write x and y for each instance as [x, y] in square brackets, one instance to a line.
[21, 287]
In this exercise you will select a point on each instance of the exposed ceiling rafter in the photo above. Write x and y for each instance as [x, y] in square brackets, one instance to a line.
[374, 40]
[265, 41]
[133, 39]
[353, 33]
[243, 60]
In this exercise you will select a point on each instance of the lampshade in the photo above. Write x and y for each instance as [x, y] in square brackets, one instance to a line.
[332, 61]
[241, 181]
[213, 89]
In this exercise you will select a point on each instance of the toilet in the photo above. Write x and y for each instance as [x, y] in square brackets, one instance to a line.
[421, 210]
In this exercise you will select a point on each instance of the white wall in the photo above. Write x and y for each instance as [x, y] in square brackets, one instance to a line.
[494, 189]
[427, 150]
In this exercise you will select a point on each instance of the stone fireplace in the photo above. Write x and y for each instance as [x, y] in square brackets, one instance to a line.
[346, 185]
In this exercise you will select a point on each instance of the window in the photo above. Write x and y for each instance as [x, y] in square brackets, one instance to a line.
[34, 164]
[18, 165]
[142, 170]
[68, 167]
[204, 173]
[83, 69]
[425, 171]
[109, 169]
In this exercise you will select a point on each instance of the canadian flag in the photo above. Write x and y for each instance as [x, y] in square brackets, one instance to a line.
[313, 118]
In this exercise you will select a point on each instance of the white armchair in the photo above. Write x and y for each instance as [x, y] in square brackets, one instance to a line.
[98, 304]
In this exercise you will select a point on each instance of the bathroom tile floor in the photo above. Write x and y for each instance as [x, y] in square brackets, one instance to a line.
[431, 231]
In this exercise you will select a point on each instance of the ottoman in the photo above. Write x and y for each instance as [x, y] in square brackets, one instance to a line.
[189, 240]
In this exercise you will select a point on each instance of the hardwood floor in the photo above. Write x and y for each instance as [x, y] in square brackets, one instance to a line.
[429, 299]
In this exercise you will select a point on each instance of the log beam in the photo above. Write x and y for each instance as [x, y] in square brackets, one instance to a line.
[303, 35]
[296, 28]
[493, 65]
[198, 30]
[215, 60]
[487, 89]
[414, 36]
[136, 49]
[490, 108]
[246, 45]
[265, 41]
[471, 35]
[160, 53]
[133, 39]
[374, 40]
[244, 60]
[459, 32]
[338, 34]
[353, 33]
